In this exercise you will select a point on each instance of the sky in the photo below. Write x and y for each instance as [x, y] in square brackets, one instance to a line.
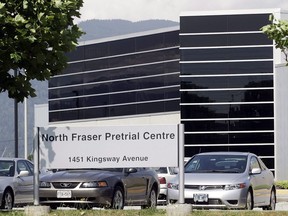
[137, 10]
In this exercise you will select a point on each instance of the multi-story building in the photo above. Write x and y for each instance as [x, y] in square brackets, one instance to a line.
[218, 74]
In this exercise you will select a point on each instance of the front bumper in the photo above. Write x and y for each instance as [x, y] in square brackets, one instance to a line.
[97, 197]
[218, 199]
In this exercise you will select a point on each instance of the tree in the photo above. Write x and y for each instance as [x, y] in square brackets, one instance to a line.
[278, 31]
[34, 37]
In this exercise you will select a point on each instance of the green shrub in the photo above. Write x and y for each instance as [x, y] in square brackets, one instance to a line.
[282, 184]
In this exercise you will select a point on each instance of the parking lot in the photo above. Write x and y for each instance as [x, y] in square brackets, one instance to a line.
[282, 200]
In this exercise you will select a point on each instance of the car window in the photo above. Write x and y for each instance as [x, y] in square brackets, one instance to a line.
[217, 163]
[7, 168]
[263, 166]
[31, 166]
[22, 166]
[254, 163]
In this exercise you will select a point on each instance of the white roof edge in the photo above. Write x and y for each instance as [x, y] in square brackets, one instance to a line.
[136, 34]
[232, 12]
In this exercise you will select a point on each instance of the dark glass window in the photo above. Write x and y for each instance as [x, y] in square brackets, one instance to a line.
[224, 40]
[121, 110]
[127, 97]
[77, 54]
[195, 24]
[172, 105]
[229, 138]
[229, 125]
[121, 46]
[151, 83]
[153, 107]
[74, 68]
[98, 64]
[172, 79]
[227, 96]
[146, 70]
[250, 22]
[120, 61]
[115, 86]
[96, 50]
[119, 98]
[226, 68]
[150, 42]
[157, 94]
[172, 66]
[226, 54]
[223, 23]
[171, 39]
[226, 82]
[96, 89]
[227, 111]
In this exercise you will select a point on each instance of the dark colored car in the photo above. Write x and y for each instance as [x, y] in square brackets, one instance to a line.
[109, 188]
[16, 182]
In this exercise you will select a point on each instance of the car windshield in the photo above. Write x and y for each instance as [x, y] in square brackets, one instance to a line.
[7, 168]
[216, 164]
[89, 169]
[162, 170]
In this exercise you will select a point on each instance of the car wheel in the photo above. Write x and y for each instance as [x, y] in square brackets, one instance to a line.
[249, 201]
[53, 207]
[7, 202]
[152, 201]
[118, 198]
[272, 204]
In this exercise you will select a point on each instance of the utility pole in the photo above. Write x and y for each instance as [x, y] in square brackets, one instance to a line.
[25, 129]
[16, 122]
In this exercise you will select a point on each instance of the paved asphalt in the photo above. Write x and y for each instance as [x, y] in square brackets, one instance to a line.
[281, 205]
[282, 200]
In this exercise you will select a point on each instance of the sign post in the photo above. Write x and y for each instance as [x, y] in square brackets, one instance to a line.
[181, 162]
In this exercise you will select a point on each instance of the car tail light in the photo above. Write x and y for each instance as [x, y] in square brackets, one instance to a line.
[162, 180]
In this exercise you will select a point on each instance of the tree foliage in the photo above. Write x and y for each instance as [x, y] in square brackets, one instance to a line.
[278, 31]
[34, 37]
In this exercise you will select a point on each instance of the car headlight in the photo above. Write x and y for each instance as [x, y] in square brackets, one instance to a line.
[234, 186]
[45, 185]
[173, 186]
[94, 184]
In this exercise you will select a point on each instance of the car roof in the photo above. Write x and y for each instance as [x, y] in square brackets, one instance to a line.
[226, 153]
[15, 159]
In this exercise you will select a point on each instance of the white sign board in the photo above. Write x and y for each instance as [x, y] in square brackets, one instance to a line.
[107, 147]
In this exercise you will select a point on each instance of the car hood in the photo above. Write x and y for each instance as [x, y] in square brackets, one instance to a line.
[78, 175]
[212, 178]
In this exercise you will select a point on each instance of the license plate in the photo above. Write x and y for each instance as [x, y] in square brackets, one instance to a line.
[64, 194]
[200, 197]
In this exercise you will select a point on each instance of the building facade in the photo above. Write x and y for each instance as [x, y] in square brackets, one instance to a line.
[134, 75]
[216, 74]
[228, 84]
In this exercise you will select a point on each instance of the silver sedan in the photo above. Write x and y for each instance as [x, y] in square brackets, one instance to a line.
[16, 182]
[227, 180]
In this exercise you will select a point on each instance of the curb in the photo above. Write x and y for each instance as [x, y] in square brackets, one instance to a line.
[282, 195]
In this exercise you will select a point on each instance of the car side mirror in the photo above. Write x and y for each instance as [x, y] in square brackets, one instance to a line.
[23, 173]
[131, 170]
[256, 171]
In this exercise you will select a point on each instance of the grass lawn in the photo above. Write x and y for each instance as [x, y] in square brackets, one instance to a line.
[152, 212]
